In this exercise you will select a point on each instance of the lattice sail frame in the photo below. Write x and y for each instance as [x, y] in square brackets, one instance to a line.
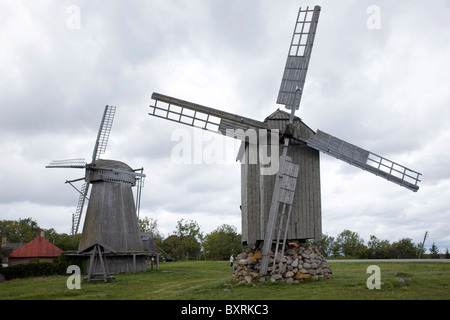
[298, 57]
[203, 117]
[68, 163]
[103, 132]
[365, 160]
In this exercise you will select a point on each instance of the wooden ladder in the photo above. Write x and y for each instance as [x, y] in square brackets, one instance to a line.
[284, 198]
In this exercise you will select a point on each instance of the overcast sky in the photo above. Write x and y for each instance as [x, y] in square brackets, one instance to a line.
[378, 78]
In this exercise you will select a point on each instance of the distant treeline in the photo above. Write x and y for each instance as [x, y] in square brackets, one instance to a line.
[349, 244]
[188, 242]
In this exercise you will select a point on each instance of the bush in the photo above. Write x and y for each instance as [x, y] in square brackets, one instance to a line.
[36, 268]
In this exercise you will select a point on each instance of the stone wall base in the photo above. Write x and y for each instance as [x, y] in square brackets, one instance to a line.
[296, 265]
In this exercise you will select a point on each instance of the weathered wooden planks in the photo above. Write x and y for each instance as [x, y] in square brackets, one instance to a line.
[257, 190]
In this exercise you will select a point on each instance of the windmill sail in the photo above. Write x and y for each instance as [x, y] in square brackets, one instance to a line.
[69, 163]
[290, 94]
[103, 132]
[78, 213]
[365, 160]
[298, 58]
[199, 116]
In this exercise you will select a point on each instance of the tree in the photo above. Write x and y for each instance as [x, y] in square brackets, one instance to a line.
[349, 244]
[62, 240]
[23, 230]
[420, 249]
[325, 246]
[222, 242]
[185, 241]
[378, 249]
[403, 249]
[434, 251]
[170, 246]
[188, 228]
[148, 225]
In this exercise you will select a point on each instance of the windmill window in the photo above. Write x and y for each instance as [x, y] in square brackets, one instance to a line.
[174, 109]
[298, 50]
[301, 16]
[188, 112]
[303, 39]
[186, 120]
[160, 113]
[306, 27]
[384, 166]
[213, 120]
[201, 116]
[173, 116]
[212, 127]
[162, 105]
[411, 176]
[200, 123]
[373, 161]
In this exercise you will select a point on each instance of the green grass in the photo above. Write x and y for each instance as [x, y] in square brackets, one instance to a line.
[205, 280]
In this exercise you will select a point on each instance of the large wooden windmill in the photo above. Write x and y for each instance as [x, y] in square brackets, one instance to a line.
[111, 219]
[289, 201]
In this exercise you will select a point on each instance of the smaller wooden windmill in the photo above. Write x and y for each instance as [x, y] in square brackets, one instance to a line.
[111, 217]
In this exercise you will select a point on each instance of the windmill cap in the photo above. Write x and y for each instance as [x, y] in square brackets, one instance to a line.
[110, 164]
[102, 167]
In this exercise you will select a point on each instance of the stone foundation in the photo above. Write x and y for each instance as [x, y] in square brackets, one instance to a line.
[297, 264]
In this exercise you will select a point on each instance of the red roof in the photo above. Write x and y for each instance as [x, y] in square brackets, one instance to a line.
[38, 247]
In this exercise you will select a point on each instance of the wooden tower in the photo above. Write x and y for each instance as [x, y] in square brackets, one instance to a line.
[111, 221]
[111, 215]
[257, 189]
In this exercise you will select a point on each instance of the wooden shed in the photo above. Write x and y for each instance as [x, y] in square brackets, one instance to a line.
[257, 189]
[38, 248]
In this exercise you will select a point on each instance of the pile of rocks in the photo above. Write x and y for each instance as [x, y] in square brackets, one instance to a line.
[296, 265]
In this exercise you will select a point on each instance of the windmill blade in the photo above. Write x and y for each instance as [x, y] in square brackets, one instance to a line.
[103, 132]
[290, 95]
[76, 218]
[199, 116]
[69, 163]
[140, 184]
[298, 58]
[365, 160]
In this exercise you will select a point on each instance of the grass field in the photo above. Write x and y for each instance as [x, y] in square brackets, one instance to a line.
[205, 280]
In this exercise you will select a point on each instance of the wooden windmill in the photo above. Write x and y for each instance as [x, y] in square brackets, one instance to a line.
[288, 201]
[111, 218]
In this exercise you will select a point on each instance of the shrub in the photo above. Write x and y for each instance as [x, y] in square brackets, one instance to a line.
[36, 268]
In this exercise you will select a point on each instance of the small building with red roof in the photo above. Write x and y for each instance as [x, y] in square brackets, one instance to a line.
[39, 248]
